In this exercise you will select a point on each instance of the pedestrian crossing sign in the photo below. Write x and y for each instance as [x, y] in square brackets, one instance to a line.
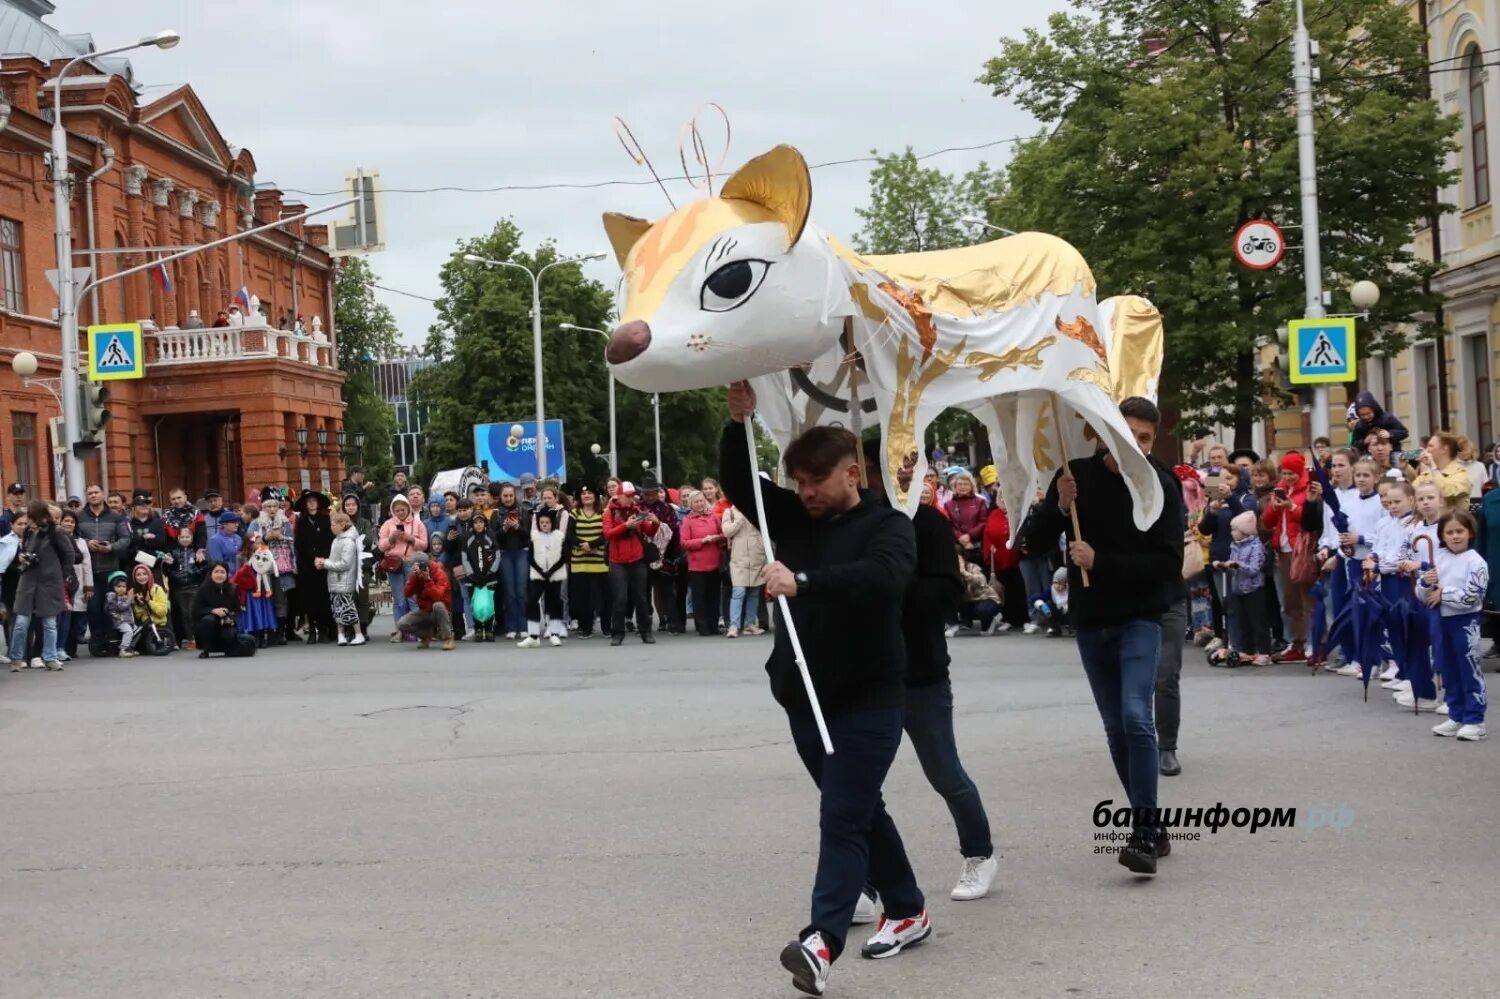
[1320, 350]
[116, 352]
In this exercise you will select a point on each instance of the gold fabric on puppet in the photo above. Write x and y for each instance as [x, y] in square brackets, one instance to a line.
[1135, 347]
[990, 277]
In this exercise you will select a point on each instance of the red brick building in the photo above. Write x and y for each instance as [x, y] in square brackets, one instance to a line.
[218, 407]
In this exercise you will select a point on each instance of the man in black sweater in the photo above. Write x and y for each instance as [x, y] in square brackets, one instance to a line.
[843, 563]
[1117, 617]
[935, 592]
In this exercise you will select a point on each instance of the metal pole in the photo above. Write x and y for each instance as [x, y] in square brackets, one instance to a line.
[1312, 256]
[614, 448]
[67, 306]
[656, 415]
[536, 358]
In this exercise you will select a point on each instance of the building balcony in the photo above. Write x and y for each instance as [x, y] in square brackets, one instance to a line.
[226, 344]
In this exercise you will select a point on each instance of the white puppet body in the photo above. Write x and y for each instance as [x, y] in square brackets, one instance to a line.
[739, 286]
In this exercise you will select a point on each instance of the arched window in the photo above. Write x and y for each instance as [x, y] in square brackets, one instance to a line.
[1479, 153]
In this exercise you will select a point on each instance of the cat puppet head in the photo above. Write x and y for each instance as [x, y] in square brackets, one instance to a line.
[728, 287]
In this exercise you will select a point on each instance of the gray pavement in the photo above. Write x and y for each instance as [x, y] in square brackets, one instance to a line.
[633, 822]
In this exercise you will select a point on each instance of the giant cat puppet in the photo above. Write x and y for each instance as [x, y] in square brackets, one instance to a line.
[740, 286]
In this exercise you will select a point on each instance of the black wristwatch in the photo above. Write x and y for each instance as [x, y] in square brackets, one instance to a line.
[801, 579]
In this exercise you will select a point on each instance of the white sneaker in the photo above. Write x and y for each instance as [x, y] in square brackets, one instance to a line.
[357, 640]
[512, 635]
[1002, 627]
[529, 642]
[1471, 733]
[1349, 669]
[1442, 707]
[36, 663]
[1406, 700]
[1389, 673]
[893, 936]
[342, 640]
[975, 879]
[866, 910]
[1031, 628]
[1397, 685]
[1447, 728]
[950, 631]
[1213, 645]
[733, 632]
[556, 641]
[809, 961]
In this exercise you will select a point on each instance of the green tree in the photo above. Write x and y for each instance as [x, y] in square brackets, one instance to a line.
[1170, 124]
[913, 208]
[483, 345]
[365, 330]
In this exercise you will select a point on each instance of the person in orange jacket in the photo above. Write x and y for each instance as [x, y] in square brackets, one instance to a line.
[428, 588]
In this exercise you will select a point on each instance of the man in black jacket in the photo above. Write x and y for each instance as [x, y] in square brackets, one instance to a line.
[844, 563]
[104, 532]
[1117, 617]
[935, 592]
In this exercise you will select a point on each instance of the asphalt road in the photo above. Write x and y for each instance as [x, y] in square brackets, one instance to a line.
[633, 822]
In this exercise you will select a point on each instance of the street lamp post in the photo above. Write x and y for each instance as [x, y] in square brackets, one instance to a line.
[67, 305]
[614, 450]
[536, 341]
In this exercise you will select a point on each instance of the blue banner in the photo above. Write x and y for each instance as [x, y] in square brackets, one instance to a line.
[506, 456]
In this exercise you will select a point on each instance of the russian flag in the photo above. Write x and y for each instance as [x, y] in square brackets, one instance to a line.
[243, 297]
[162, 277]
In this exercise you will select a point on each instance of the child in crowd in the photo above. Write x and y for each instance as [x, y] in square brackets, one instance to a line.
[981, 604]
[1457, 587]
[150, 608]
[1343, 552]
[345, 577]
[186, 566]
[481, 565]
[549, 571]
[1417, 677]
[225, 545]
[1052, 604]
[1399, 499]
[121, 611]
[1246, 567]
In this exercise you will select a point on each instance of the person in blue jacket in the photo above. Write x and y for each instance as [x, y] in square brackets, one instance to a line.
[1227, 499]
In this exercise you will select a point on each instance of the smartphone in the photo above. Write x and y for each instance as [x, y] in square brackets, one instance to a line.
[1279, 493]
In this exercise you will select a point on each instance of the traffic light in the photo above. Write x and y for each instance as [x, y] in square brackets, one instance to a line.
[1283, 359]
[94, 416]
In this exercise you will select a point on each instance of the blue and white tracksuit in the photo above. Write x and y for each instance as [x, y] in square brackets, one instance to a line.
[1462, 582]
[1421, 674]
[1390, 538]
[1364, 513]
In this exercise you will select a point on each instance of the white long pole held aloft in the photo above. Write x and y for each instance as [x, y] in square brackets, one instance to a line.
[786, 611]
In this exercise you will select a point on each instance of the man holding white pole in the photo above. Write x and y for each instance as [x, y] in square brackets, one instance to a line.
[843, 562]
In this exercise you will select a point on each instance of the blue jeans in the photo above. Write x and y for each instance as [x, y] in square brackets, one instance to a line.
[1036, 570]
[400, 605]
[744, 607]
[1121, 663]
[18, 635]
[467, 589]
[513, 575]
[856, 836]
[929, 726]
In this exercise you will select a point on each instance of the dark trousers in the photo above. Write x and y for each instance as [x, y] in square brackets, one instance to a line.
[705, 587]
[212, 635]
[628, 588]
[1121, 662]
[588, 598]
[99, 620]
[1272, 605]
[1249, 609]
[929, 725]
[1013, 599]
[857, 840]
[182, 610]
[78, 622]
[1169, 674]
[670, 596]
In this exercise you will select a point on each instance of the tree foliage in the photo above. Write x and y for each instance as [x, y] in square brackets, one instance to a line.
[482, 342]
[365, 330]
[913, 208]
[1172, 124]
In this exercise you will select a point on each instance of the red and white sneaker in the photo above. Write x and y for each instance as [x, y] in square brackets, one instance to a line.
[893, 936]
[809, 960]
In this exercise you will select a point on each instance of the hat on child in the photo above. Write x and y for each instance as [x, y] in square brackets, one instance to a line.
[229, 517]
[1244, 523]
[118, 577]
[988, 475]
[1060, 576]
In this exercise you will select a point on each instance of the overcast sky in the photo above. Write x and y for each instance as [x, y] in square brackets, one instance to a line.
[457, 93]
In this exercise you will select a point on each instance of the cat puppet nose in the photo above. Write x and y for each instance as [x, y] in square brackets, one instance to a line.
[628, 342]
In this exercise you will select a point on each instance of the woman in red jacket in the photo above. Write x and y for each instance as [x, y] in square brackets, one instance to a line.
[1005, 564]
[1282, 518]
[627, 529]
[967, 510]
